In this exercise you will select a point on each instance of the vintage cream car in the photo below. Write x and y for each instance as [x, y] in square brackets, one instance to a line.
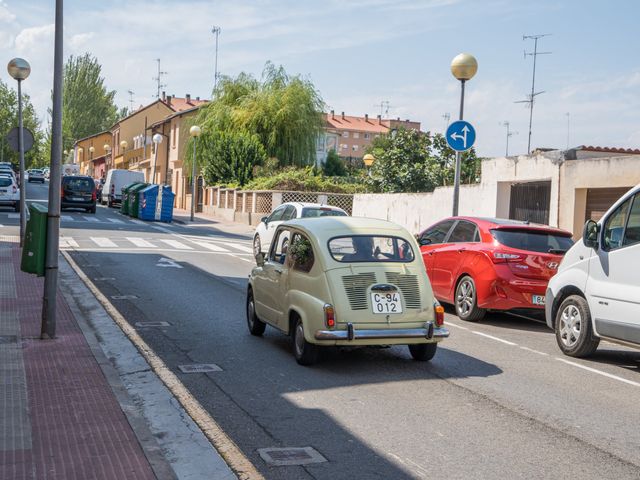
[345, 281]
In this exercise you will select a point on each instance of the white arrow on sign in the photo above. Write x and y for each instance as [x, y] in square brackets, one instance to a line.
[167, 262]
[463, 137]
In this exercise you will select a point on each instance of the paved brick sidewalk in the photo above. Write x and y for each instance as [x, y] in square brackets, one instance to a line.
[59, 418]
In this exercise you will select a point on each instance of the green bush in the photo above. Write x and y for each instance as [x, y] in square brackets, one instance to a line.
[334, 166]
[306, 180]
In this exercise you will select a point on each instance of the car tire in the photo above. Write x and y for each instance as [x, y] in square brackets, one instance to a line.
[16, 207]
[573, 327]
[92, 209]
[304, 352]
[256, 326]
[256, 245]
[466, 301]
[423, 352]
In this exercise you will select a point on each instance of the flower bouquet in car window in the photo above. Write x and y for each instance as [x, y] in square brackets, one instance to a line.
[300, 253]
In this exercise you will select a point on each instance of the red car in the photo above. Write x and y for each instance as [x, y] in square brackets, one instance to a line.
[480, 264]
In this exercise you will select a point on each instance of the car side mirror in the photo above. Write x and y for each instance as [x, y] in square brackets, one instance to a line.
[590, 234]
[264, 220]
[424, 241]
[260, 259]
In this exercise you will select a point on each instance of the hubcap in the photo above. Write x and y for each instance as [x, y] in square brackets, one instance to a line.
[465, 298]
[299, 340]
[570, 325]
[250, 311]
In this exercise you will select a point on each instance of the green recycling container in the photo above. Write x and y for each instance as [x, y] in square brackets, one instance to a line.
[35, 241]
[134, 198]
[124, 205]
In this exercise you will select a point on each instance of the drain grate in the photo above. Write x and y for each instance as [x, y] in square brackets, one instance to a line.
[124, 297]
[152, 324]
[199, 368]
[291, 456]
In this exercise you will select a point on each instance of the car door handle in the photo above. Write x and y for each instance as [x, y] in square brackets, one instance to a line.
[460, 250]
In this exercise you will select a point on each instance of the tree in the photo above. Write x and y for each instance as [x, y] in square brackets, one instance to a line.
[87, 106]
[283, 111]
[412, 161]
[334, 166]
[230, 157]
[9, 120]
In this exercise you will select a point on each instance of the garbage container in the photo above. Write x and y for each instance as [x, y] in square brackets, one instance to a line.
[124, 206]
[134, 198]
[35, 241]
[156, 203]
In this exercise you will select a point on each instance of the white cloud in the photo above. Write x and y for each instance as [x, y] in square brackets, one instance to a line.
[30, 40]
[5, 15]
[78, 41]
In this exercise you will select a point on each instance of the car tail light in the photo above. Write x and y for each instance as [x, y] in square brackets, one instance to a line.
[439, 311]
[93, 195]
[329, 316]
[113, 189]
[15, 189]
[504, 257]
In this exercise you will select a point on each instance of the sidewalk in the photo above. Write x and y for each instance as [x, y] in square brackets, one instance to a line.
[202, 220]
[64, 411]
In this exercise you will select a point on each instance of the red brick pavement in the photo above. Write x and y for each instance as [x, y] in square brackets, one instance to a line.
[78, 430]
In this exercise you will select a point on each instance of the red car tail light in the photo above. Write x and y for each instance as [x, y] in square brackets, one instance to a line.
[439, 311]
[329, 316]
[503, 257]
[93, 195]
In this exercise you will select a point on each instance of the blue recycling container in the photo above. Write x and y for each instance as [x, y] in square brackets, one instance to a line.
[156, 203]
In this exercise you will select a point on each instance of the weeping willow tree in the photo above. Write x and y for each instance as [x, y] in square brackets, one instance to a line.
[283, 112]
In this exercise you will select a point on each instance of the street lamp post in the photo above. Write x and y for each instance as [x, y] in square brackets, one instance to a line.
[123, 148]
[20, 69]
[107, 152]
[195, 132]
[157, 140]
[463, 67]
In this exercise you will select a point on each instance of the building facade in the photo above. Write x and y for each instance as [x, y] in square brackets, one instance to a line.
[91, 154]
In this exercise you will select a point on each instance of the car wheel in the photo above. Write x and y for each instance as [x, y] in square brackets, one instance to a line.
[256, 326]
[423, 352]
[305, 353]
[466, 301]
[92, 209]
[16, 207]
[574, 331]
[256, 245]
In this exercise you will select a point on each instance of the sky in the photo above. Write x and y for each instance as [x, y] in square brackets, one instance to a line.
[359, 53]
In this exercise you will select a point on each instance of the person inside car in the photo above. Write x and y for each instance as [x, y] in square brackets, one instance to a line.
[363, 247]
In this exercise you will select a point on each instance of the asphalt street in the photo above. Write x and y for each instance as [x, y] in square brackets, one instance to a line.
[498, 400]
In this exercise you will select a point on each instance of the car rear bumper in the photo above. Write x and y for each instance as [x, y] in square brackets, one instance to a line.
[512, 293]
[84, 204]
[7, 201]
[429, 332]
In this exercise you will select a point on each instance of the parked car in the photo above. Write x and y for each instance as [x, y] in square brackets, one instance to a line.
[288, 211]
[9, 192]
[78, 192]
[478, 264]
[344, 281]
[47, 172]
[8, 170]
[596, 292]
[116, 179]
[36, 175]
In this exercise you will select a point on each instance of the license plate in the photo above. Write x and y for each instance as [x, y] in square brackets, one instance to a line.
[538, 299]
[386, 302]
[77, 199]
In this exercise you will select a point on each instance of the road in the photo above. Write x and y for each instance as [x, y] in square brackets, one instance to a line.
[497, 401]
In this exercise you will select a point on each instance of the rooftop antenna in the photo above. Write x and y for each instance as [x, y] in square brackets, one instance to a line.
[131, 93]
[384, 108]
[158, 79]
[216, 31]
[510, 133]
[533, 94]
[447, 117]
[567, 114]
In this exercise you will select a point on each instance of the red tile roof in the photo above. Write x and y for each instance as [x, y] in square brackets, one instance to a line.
[178, 104]
[359, 124]
[627, 151]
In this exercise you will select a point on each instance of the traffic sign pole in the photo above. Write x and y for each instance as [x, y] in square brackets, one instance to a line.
[456, 181]
[23, 187]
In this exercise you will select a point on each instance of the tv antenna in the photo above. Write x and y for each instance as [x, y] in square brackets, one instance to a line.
[131, 93]
[158, 79]
[510, 133]
[531, 97]
[447, 118]
[384, 107]
[216, 31]
[568, 125]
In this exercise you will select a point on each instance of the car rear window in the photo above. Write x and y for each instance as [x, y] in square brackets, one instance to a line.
[78, 184]
[532, 240]
[5, 182]
[311, 212]
[370, 248]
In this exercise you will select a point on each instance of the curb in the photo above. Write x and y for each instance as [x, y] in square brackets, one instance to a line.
[227, 449]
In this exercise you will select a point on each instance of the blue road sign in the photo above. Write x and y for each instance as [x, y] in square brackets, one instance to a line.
[461, 136]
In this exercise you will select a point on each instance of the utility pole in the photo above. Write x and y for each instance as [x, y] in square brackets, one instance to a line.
[533, 94]
[158, 79]
[216, 31]
[510, 133]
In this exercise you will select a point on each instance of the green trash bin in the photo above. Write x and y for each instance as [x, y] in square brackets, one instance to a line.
[35, 241]
[134, 199]
[124, 206]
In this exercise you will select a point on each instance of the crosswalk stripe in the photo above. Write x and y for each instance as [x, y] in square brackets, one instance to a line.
[141, 242]
[91, 219]
[68, 242]
[103, 242]
[139, 222]
[115, 220]
[238, 246]
[211, 246]
[66, 218]
[14, 215]
[176, 244]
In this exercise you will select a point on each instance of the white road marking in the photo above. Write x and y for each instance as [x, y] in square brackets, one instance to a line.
[449, 324]
[141, 242]
[239, 246]
[176, 244]
[91, 219]
[66, 218]
[115, 220]
[162, 229]
[13, 215]
[68, 242]
[534, 351]
[494, 338]
[243, 259]
[599, 372]
[103, 242]
[135, 220]
[167, 262]
[211, 246]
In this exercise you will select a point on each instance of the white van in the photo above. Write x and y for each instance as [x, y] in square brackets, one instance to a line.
[596, 292]
[116, 179]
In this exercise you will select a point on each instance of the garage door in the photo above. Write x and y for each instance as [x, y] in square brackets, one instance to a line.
[600, 199]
